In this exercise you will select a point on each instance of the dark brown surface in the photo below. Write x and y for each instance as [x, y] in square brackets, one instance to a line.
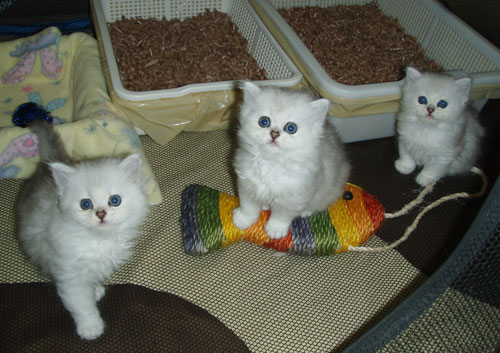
[137, 320]
[481, 15]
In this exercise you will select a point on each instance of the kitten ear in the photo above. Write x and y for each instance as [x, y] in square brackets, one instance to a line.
[250, 89]
[464, 85]
[132, 166]
[412, 74]
[61, 173]
[321, 106]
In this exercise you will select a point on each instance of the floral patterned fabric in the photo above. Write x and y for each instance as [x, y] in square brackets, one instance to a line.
[62, 74]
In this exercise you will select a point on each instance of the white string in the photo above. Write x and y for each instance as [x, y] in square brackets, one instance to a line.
[434, 204]
[413, 203]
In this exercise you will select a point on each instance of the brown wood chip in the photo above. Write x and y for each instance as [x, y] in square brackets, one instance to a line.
[159, 54]
[357, 44]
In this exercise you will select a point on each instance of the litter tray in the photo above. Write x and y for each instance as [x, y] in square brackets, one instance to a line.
[162, 114]
[368, 111]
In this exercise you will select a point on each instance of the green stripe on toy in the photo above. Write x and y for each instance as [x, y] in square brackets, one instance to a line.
[209, 223]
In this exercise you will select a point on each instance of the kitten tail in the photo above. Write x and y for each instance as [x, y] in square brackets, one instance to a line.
[50, 146]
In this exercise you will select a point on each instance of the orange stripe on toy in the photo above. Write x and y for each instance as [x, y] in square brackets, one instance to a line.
[374, 210]
[359, 215]
[343, 223]
[256, 233]
[227, 203]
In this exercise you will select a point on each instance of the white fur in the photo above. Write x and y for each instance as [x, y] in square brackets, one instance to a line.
[446, 142]
[72, 245]
[296, 175]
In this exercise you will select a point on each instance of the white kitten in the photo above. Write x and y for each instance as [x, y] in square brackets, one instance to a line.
[288, 159]
[78, 222]
[436, 127]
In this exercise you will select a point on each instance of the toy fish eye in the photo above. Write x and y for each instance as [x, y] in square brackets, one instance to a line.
[86, 204]
[115, 200]
[348, 196]
[442, 104]
[422, 100]
[291, 128]
[264, 121]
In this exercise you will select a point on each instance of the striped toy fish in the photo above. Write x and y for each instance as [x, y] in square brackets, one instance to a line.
[350, 221]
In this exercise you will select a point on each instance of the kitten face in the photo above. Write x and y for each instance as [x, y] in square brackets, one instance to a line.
[99, 194]
[431, 97]
[278, 121]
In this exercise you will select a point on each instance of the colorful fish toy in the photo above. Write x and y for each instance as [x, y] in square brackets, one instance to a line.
[346, 224]
[349, 222]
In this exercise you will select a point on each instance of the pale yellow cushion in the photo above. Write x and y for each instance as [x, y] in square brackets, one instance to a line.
[63, 74]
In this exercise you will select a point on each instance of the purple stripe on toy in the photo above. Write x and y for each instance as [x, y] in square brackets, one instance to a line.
[302, 237]
[193, 242]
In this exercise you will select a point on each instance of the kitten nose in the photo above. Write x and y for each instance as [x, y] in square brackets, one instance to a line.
[430, 110]
[101, 214]
[274, 134]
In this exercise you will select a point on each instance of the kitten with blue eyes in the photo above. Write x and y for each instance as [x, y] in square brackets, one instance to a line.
[436, 128]
[79, 221]
[288, 159]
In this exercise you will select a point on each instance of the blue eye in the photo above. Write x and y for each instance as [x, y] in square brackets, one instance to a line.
[291, 128]
[442, 104]
[86, 204]
[115, 200]
[264, 121]
[422, 100]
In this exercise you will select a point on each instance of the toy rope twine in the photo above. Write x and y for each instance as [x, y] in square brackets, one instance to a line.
[408, 207]
[432, 205]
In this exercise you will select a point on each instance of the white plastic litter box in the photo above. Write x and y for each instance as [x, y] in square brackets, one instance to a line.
[367, 111]
[198, 106]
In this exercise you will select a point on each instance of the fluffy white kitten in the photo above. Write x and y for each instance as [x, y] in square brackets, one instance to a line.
[288, 160]
[78, 223]
[436, 127]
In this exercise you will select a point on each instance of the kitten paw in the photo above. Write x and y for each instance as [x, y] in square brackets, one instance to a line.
[306, 214]
[276, 230]
[424, 179]
[242, 221]
[90, 329]
[404, 166]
